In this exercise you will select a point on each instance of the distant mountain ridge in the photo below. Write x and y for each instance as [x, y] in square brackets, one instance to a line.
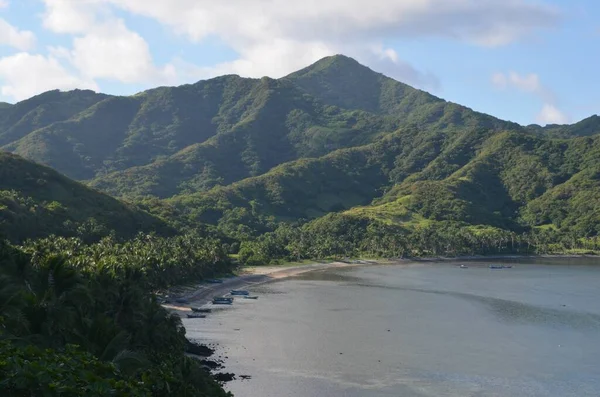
[334, 136]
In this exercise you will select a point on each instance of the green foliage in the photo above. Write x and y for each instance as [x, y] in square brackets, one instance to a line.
[30, 370]
[58, 292]
[36, 201]
[238, 157]
[585, 127]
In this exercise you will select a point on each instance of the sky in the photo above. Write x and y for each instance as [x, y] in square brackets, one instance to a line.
[528, 61]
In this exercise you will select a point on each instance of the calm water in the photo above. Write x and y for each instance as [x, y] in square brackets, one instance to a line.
[417, 330]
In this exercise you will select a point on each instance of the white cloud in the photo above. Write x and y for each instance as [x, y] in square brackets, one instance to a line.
[111, 51]
[72, 16]
[550, 114]
[531, 83]
[485, 22]
[527, 83]
[25, 75]
[103, 46]
[20, 39]
[274, 37]
[279, 36]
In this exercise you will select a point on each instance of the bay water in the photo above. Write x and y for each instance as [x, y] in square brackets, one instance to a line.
[423, 329]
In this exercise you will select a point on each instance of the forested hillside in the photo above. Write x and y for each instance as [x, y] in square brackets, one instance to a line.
[36, 201]
[240, 156]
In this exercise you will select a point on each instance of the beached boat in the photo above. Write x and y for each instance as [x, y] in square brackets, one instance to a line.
[214, 281]
[201, 310]
[250, 297]
[194, 315]
[222, 301]
[239, 292]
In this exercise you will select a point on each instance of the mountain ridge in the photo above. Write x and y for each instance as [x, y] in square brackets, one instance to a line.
[332, 137]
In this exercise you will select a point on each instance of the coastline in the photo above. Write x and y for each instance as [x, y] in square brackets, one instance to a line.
[488, 257]
[201, 294]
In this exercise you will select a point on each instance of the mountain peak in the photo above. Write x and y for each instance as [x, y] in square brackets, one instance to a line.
[332, 65]
[344, 82]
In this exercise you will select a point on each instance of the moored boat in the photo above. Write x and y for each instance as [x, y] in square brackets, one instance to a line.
[496, 267]
[194, 315]
[250, 297]
[464, 266]
[239, 292]
[201, 310]
[222, 301]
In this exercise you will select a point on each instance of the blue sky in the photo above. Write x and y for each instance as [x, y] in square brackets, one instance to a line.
[526, 61]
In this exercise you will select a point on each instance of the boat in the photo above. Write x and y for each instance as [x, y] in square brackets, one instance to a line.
[507, 267]
[250, 297]
[464, 266]
[201, 310]
[222, 301]
[239, 292]
[181, 300]
[496, 267]
[214, 281]
[193, 315]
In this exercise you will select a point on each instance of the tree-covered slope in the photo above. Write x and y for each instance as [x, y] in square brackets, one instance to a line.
[173, 140]
[586, 127]
[36, 201]
[122, 132]
[17, 121]
[243, 154]
[508, 180]
[281, 125]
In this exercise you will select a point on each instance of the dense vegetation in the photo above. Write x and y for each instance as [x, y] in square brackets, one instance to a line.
[332, 161]
[36, 201]
[80, 320]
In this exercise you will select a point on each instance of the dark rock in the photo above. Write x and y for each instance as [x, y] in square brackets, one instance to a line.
[224, 377]
[198, 349]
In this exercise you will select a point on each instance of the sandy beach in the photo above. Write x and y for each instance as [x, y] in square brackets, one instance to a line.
[202, 294]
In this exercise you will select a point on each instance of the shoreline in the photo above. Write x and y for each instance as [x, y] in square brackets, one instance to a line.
[202, 294]
[491, 257]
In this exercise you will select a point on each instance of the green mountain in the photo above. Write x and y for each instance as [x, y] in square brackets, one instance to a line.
[585, 127]
[36, 201]
[244, 154]
[19, 120]
[174, 140]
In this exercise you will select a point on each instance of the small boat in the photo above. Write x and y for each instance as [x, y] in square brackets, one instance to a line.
[181, 300]
[239, 292]
[464, 266]
[496, 267]
[201, 310]
[222, 301]
[193, 315]
[214, 281]
[250, 297]
[507, 267]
